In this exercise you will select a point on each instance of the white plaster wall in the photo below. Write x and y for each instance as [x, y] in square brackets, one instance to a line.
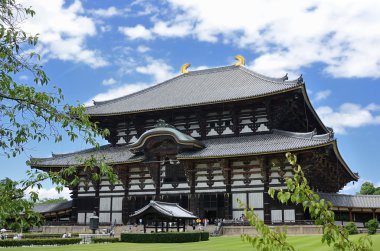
[256, 200]
[117, 217]
[105, 204]
[104, 217]
[117, 203]
[241, 196]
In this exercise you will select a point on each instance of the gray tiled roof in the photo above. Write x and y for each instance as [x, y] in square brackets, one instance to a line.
[112, 155]
[276, 141]
[46, 208]
[171, 210]
[196, 88]
[354, 201]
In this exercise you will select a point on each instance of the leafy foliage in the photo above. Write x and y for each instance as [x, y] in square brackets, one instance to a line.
[165, 237]
[16, 212]
[29, 242]
[351, 228]
[51, 201]
[367, 188]
[105, 240]
[372, 226]
[36, 111]
[299, 192]
[266, 239]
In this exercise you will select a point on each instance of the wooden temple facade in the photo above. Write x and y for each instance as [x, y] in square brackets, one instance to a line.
[205, 139]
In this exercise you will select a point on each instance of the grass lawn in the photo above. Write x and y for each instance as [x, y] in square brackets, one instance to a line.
[225, 243]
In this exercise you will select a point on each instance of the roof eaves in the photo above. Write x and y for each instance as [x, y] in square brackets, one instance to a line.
[291, 88]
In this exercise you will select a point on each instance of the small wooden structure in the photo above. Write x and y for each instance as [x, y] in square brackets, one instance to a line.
[163, 213]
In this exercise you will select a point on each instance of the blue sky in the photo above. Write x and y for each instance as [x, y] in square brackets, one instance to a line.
[97, 50]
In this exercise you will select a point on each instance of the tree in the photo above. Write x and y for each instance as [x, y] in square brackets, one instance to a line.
[16, 212]
[35, 111]
[377, 191]
[299, 192]
[51, 201]
[367, 188]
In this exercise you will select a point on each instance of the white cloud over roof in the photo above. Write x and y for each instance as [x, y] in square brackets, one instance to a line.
[286, 35]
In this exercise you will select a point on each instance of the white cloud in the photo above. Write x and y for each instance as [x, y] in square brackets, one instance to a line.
[24, 77]
[321, 95]
[352, 187]
[137, 32]
[143, 49]
[117, 92]
[158, 69]
[50, 193]
[286, 35]
[106, 13]
[171, 30]
[63, 32]
[110, 81]
[373, 107]
[348, 115]
[105, 28]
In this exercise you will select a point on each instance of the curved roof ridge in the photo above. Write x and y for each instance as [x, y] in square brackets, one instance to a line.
[196, 72]
[298, 80]
[154, 86]
[279, 80]
[61, 155]
[303, 135]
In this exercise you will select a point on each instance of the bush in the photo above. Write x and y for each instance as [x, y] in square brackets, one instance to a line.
[372, 226]
[165, 237]
[29, 242]
[40, 235]
[351, 228]
[105, 239]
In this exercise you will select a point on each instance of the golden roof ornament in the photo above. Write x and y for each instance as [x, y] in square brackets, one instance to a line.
[184, 69]
[240, 60]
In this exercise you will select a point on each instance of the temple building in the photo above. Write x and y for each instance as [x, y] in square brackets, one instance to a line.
[203, 140]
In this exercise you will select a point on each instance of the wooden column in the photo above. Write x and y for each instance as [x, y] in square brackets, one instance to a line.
[265, 179]
[124, 176]
[350, 214]
[190, 172]
[227, 173]
[374, 213]
[74, 207]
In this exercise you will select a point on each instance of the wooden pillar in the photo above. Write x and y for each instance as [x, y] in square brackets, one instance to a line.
[374, 213]
[177, 225]
[124, 175]
[74, 207]
[144, 226]
[350, 214]
[191, 176]
[184, 225]
[227, 173]
[167, 226]
[162, 226]
[266, 198]
[156, 225]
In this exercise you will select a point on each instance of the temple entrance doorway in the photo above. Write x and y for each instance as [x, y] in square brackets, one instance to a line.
[210, 214]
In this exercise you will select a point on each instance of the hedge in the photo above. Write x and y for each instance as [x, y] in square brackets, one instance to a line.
[105, 239]
[29, 242]
[40, 235]
[164, 237]
[372, 226]
[351, 228]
